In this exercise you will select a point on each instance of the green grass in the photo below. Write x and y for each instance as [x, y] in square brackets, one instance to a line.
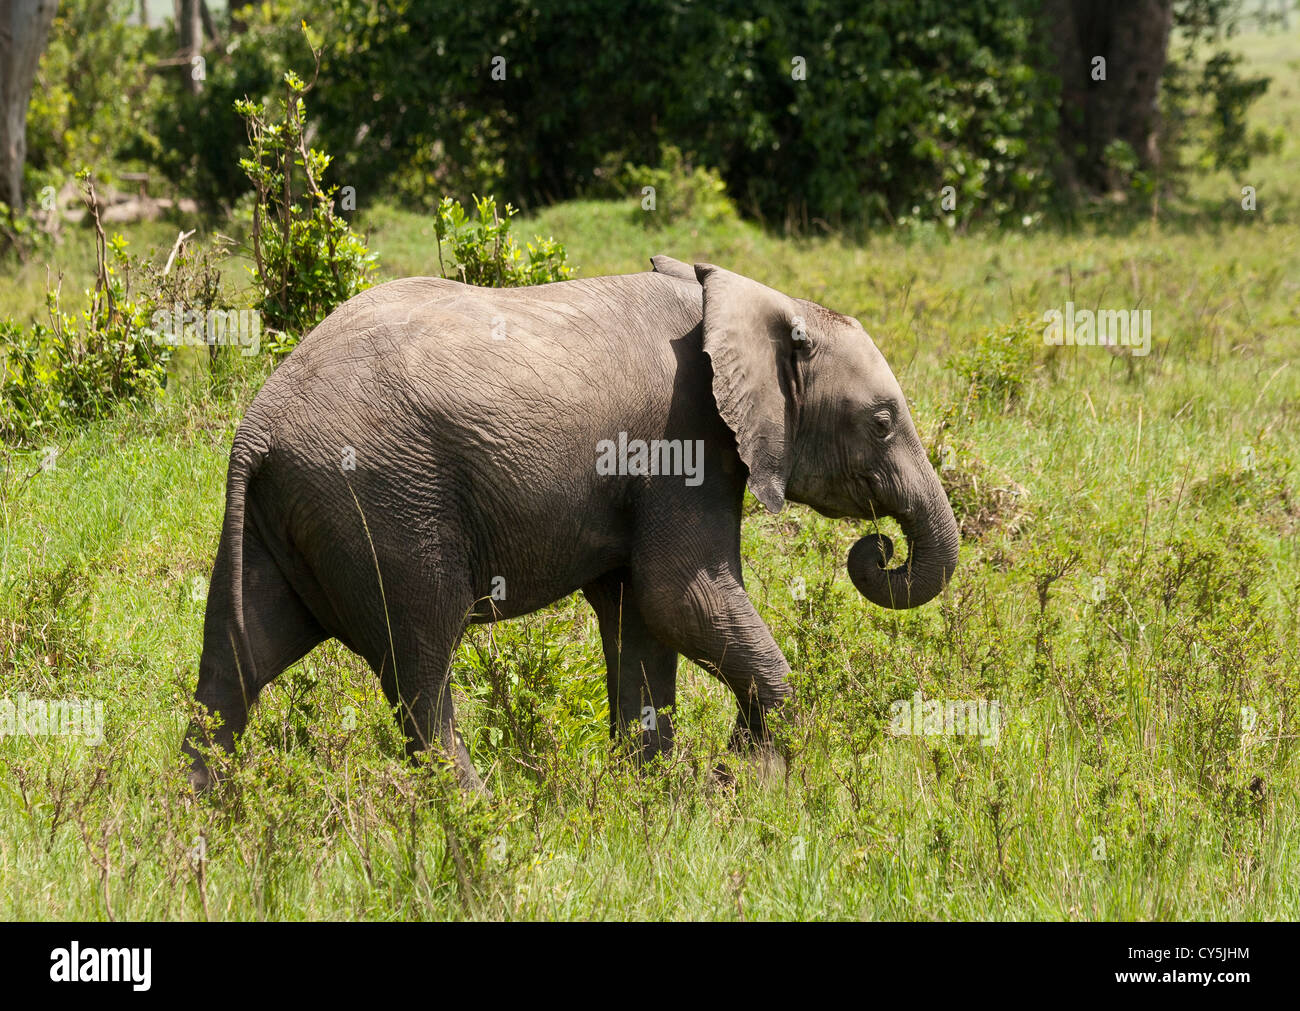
[1154, 727]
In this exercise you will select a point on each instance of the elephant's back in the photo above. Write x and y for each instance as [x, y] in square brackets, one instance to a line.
[613, 311]
[454, 371]
[431, 341]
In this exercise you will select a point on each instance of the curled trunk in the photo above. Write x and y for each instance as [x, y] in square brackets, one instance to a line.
[933, 542]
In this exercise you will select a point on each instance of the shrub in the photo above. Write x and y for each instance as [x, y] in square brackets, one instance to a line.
[680, 190]
[539, 700]
[826, 114]
[1204, 98]
[22, 233]
[306, 260]
[484, 252]
[197, 132]
[999, 365]
[890, 105]
[97, 93]
[77, 367]
[983, 499]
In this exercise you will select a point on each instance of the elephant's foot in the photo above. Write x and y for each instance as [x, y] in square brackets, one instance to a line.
[758, 756]
[642, 746]
[769, 764]
[206, 740]
[721, 777]
[762, 762]
[454, 759]
[468, 779]
[207, 771]
[200, 777]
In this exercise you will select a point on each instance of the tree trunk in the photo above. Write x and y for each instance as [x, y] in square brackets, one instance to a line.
[189, 28]
[209, 25]
[1132, 36]
[24, 30]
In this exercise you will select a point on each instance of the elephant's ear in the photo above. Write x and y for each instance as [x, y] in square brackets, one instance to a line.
[673, 268]
[750, 332]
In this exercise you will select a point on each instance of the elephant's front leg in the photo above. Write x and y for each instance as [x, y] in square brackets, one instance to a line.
[641, 671]
[706, 615]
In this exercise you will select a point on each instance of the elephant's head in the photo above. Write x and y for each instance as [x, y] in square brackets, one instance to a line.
[819, 418]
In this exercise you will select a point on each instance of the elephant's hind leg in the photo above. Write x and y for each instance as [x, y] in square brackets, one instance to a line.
[415, 670]
[641, 671]
[280, 630]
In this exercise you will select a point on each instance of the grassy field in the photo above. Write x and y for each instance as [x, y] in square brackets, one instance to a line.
[1128, 595]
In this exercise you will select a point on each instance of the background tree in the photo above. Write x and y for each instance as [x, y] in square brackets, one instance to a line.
[1151, 76]
[189, 28]
[822, 114]
[1110, 56]
[24, 28]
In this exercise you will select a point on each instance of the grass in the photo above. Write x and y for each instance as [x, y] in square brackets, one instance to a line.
[1128, 592]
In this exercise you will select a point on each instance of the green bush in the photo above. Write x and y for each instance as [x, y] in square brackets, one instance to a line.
[484, 252]
[97, 93]
[198, 132]
[77, 368]
[898, 100]
[998, 366]
[827, 114]
[1204, 98]
[831, 114]
[539, 701]
[306, 259]
[680, 190]
[21, 233]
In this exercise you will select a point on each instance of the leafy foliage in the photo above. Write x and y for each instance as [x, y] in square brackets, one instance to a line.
[539, 698]
[307, 259]
[890, 103]
[998, 366]
[198, 132]
[485, 253]
[96, 94]
[823, 114]
[77, 367]
[1204, 100]
[21, 233]
[682, 190]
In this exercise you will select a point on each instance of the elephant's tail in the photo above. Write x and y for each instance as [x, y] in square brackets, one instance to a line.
[245, 459]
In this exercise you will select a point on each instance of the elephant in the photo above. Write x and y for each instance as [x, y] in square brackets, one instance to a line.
[435, 454]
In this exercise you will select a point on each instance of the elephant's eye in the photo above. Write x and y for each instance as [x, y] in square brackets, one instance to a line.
[882, 423]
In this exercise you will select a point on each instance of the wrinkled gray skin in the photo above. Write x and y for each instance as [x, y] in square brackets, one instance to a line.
[475, 458]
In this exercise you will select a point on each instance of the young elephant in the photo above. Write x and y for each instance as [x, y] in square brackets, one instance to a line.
[435, 453]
